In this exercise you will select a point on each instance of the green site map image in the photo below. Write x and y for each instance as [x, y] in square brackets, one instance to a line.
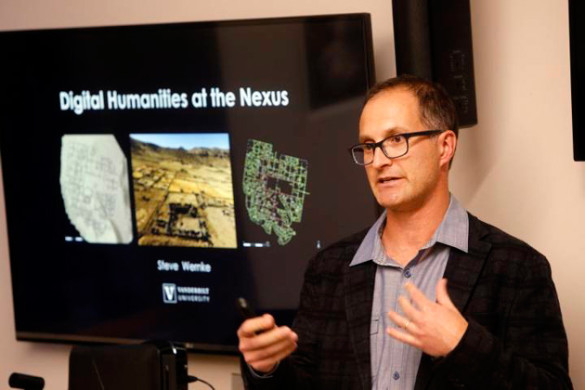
[275, 188]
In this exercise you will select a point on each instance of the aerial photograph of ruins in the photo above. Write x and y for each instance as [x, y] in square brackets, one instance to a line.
[183, 190]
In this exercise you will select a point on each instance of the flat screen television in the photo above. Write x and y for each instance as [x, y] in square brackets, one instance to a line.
[155, 173]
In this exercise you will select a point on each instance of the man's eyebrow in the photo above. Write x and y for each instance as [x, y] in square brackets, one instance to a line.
[387, 133]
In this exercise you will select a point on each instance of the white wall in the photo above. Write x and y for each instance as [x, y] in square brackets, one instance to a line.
[514, 170]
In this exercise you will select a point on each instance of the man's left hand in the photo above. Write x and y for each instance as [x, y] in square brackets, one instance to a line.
[433, 327]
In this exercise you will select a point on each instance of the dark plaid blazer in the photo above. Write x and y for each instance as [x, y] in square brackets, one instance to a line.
[503, 287]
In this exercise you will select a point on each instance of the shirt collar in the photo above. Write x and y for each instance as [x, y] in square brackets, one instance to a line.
[453, 231]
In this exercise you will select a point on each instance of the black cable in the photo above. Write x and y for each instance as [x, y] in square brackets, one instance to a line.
[191, 379]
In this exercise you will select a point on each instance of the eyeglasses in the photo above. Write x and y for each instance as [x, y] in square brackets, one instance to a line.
[393, 146]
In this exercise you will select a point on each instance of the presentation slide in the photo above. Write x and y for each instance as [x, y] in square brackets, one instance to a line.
[153, 174]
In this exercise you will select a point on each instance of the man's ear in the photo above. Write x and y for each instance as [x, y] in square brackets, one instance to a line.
[447, 144]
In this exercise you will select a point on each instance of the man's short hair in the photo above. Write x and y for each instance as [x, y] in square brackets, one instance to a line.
[437, 110]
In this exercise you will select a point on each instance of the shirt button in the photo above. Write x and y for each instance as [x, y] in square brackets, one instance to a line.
[407, 273]
[396, 375]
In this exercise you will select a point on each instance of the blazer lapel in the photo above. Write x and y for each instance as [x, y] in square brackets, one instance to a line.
[463, 270]
[359, 291]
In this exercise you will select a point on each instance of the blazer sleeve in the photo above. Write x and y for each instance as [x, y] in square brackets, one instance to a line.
[297, 370]
[523, 349]
[325, 357]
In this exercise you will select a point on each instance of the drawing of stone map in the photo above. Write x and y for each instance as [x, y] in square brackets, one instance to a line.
[274, 187]
[95, 189]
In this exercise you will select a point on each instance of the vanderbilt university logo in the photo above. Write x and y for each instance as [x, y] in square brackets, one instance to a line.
[169, 291]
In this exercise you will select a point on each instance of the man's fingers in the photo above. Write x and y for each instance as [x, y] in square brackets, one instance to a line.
[263, 351]
[409, 310]
[403, 322]
[268, 364]
[399, 320]
[405, 337]
[272, 351]
[252, 326]
[267, 339]
[417, 296]
[442, 294]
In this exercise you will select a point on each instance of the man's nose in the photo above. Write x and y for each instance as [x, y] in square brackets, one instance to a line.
[380, 158]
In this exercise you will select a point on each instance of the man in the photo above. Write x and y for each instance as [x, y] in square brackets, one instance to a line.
[429, 297]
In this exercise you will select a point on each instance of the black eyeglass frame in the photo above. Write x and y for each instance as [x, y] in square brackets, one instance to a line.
[407, 136]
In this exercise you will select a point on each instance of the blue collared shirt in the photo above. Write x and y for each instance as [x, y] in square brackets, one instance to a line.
[395, 364]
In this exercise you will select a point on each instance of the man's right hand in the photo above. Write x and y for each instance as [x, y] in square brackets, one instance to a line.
[264, 344]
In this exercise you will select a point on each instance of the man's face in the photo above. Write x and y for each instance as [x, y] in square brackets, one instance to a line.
[408, 182]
